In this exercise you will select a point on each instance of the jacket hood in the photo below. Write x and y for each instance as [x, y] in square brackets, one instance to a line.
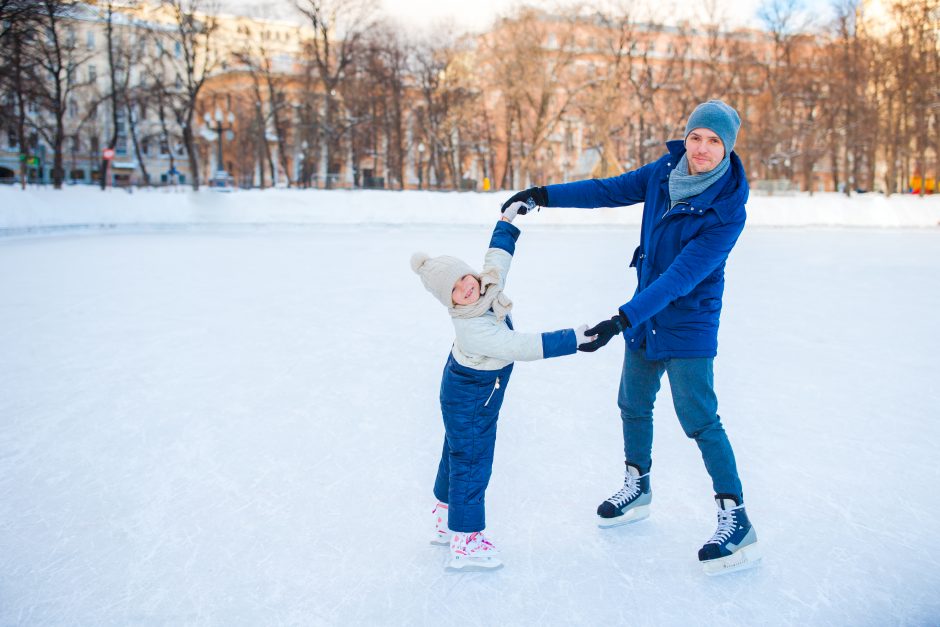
[729, 193]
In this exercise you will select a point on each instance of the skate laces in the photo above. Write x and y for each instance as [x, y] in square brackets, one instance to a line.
[479, 540]
[476, 542]
[629, 491]
[726, 526]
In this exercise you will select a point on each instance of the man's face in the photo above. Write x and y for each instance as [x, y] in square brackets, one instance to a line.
[466, 291]
[704, 150]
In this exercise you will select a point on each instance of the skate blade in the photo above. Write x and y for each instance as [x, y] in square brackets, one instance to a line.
[634, 515]
[743, 559]
[470, 565]
[440, 541]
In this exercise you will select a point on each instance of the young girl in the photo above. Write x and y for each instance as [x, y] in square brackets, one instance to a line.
[473, 385]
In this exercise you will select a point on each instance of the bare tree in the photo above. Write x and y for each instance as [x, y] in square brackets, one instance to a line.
[123, 58]
[601, 104]
[778, 111]
[268, 88]
[137, 98]
[386, 62]
[18, 21]
[531, 57]
[167, 138]
[59, 62]
[194, 59]
[446, 105]
[649, 82]
[917, 52]
[338, 27]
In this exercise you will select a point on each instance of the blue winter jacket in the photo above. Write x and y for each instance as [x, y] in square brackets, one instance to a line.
[680, 262]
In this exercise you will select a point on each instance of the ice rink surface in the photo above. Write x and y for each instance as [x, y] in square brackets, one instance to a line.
[240, 427]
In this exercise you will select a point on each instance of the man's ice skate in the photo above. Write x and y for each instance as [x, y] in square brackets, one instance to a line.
[734, 545]
[441, 534]
[472, 551]
[631, 504]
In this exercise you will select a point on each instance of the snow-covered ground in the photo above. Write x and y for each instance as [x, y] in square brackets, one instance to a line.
[39, 210]
[238, 425]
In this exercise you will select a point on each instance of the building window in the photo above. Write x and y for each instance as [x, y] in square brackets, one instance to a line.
[178, 50]
[90, 39]
[145, 146]
[94, 145]
[73, 108]
[92, 73]
[11, 138]
[76, 144]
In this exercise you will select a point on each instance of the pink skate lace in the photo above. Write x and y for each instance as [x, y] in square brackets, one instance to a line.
[482, 544]
[472, 544]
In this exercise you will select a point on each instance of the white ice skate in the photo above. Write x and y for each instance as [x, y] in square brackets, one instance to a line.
[472, 551]
[441, 535]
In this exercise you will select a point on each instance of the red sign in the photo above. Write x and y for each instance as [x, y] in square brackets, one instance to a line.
[108, 153]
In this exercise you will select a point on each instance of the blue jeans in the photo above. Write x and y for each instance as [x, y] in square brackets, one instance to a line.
[693, 395]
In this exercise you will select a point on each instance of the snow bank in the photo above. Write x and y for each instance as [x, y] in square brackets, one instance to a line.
[40, 209]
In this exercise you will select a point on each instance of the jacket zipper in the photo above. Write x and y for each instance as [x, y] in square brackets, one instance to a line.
[495, 387]
[668, 208]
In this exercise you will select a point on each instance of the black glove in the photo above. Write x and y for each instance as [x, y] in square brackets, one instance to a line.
[537, 195]
[605, 331]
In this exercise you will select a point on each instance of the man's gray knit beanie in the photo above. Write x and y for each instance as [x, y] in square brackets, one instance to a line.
[718, 117]
[439, 274]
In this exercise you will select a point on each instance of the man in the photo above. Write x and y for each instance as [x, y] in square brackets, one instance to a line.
[692, 216]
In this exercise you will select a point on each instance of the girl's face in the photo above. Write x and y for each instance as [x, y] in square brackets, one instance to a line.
[466, 290]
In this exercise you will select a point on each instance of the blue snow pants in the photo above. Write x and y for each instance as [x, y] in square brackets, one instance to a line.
[693, 396]
[470, 402]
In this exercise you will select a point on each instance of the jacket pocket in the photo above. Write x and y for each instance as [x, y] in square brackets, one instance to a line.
[697, 302]
[637, 262]
[637, 255]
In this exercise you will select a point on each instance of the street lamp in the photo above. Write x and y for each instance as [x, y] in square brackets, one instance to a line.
[217, 127]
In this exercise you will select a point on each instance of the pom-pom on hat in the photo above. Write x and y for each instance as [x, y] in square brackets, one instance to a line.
[718, 117]
[439, 274]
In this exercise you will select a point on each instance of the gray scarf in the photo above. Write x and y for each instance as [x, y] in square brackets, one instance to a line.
[683, 185]
[491, 296]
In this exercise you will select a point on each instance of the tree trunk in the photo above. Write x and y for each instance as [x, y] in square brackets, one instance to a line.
[132, 127]
[189, 142]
